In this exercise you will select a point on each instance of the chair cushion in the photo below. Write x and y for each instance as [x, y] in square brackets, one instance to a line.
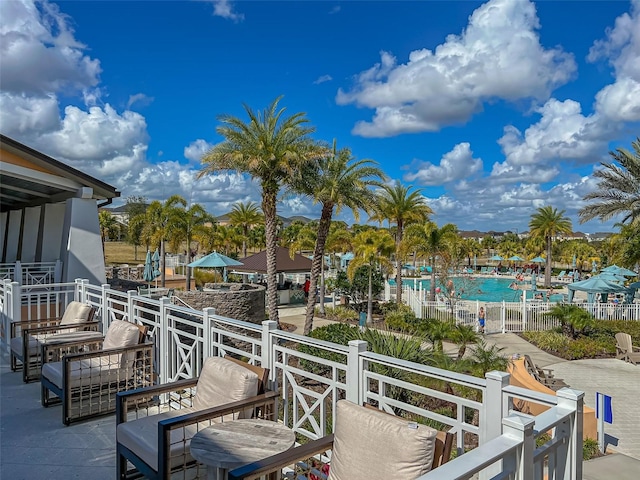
[373, 444]
[86, 372]
[76, 312]
[223, 381]
[37, 340]
[141, 437]
[121, 334]
[16, 346]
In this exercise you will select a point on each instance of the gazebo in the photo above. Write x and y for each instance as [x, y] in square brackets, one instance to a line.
[593, 286]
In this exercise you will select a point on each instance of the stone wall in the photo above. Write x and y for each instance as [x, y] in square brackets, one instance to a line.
[234, 300]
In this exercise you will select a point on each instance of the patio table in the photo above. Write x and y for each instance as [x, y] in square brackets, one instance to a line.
[227, 445]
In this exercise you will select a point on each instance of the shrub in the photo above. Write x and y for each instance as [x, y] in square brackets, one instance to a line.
[399, 318]
[340, 333]
[590, 449]
[588, 347]
[549, 340]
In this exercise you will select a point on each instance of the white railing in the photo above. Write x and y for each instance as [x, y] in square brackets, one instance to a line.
[312, 375]
[508, 316]
[32, 273]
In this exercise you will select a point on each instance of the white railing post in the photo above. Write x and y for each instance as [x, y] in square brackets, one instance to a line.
[524, 310]
[17, 272]
[104, 307]
[503, 317]
[492, 413]
[521, 428]
[269, 327]
[163, 361]
[131, 305]
[573, 400]
[16, 301]
[354, 371]
[207, 327]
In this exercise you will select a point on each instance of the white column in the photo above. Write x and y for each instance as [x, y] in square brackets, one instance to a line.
[354, 371]
[492, 412]
[521, 463]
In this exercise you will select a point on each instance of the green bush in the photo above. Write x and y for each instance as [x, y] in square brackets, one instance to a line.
[400, 318]
[588, 347]
[590, 449]
[549, 340]
[339, 314]
[340, 333]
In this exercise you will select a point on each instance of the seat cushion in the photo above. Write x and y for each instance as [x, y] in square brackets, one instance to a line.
[76, 312]
[223, 381]
[37, 340]
[16, 346]
[370, 443]
[141, 437]
[85, 373]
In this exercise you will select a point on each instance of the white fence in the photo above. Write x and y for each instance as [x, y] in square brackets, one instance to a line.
[32, 273]
[312, 375]
[507, 316]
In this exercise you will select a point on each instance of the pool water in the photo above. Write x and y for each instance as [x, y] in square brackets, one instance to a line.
[486, 289]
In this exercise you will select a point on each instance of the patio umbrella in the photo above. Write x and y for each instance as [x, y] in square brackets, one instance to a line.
[592, 286]
[594, 267]
[150, 270]
[516, 258]
[610, 277]
[496, 258]
[619, 271]
[538, 260]
[216, 260]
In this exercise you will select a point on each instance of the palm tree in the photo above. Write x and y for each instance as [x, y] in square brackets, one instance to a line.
[431, 241]
[187, 227]
[161, 219]
[270, 148]
[336, 181]
[401, 206]
[108, 225]
[371, 249]
[618, 190]
[245, 216]
[547, 223]
[338, 240]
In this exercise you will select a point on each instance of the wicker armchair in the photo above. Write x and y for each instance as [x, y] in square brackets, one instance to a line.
[86, 383]
[155, 424]
[28, 336]
[368, 443]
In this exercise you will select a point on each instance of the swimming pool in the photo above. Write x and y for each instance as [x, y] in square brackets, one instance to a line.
[485, 289]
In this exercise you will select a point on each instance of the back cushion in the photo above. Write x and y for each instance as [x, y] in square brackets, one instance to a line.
[76, 312]
[223, 381]
[120, 334]
[373, 444]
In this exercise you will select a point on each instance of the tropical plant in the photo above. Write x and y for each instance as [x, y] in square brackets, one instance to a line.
[271, 148]
[575, 321]
[338, 240]
[108, 225]
[401, 206]
[547, 223]
[437, 331]
[463, 335]
[245, 216]
[485, 358]
[618, 190]
[160, 221]
[135, 207]
[371, 249]
[336, 181]
[187, 227]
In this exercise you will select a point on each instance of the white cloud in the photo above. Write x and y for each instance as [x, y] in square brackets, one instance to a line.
[21, 115]
[454, 165]
[322, 79]
[620, 101]
[140, 99]
[224, 9]
[196, 149]
[38, 53]
[498, 56]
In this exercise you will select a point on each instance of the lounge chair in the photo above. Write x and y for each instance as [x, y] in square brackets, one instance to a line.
[154, 425]
[28, 336]
[86, 383]
[544, 376]
[484, 270]
[562, 275]
[367, 443]
[625, 349]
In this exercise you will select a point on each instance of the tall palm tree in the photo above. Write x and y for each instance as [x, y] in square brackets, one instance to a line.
[547, 223]
[618, 190]
[245, 216]
[371, 249]
[161, 219]
[431, 241]
[401, 206]
[271, 148]
[108, 225]
[187, 227]
[335, 181]
[338, 240]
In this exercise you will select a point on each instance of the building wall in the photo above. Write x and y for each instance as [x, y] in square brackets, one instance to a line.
[52, 231]
[30, 232]
[13, 236]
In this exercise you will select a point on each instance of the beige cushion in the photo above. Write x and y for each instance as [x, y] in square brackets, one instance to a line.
[76, 312]
[85, 373]
[120, 334]
[141, 437]
[223, 381]
[372, 444]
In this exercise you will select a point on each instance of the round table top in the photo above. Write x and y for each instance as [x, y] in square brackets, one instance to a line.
[237, 442]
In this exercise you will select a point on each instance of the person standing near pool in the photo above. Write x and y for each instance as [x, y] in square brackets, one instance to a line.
[481, 320]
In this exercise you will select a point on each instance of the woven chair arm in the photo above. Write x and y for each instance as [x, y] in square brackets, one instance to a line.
[123, 399]
[77, 357]
[219, 411]
[25, 324]
[277, 462]
[61, 328]
[54, 352]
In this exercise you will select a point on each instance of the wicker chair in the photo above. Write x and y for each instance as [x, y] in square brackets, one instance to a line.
[155, 424]
[368, 443]
[86, 383]
[28, 336]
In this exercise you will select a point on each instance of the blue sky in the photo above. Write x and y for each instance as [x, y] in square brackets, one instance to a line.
[491, 109]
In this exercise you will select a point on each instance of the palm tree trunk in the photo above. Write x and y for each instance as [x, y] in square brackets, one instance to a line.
[398, 264]
[370, 297]
[316, 264]
[270, 218]
[547, 270]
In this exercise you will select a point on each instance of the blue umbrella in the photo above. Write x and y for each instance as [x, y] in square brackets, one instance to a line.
[155, 262]
[496, 258]
[150, 268]
[620, 271]
[538, 260]
[216, 260]
[516, 258]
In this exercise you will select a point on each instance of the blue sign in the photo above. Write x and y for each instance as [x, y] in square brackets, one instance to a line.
[606, 407]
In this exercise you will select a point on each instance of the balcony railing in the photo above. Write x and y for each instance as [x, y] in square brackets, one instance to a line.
[312, 375]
